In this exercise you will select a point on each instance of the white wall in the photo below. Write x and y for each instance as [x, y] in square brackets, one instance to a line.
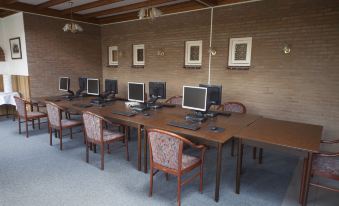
[12, 27]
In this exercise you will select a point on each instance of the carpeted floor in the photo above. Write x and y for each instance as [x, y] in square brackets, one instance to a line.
[34, 173]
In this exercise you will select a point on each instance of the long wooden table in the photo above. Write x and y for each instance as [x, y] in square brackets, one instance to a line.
[159, 119]
[292, 135]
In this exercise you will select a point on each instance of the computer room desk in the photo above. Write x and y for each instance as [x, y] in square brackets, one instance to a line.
[159, 118]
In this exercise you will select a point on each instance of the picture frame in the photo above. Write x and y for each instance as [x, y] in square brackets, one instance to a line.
[113, 56]
[138, 55]
[15, 47]
[193, 53]
[240, 50]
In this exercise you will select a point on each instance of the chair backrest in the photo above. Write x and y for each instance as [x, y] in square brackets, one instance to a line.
[54, 114]
[93, 126]
[165, 148]
[233, 107]
[174, 100]
[20, 106]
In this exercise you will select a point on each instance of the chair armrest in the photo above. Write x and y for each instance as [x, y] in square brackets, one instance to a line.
[324, 141]
[110, 122]
[328, 154]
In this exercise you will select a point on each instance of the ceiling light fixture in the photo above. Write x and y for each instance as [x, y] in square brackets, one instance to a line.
[150, 13]
[71, 26]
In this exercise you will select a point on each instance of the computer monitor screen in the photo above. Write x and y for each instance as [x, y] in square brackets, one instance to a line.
[64, 83]
[194, 98]
[136, 92]
[111, 86]
[214, 93]
[93, 87]
[157, 90]
[82, 83]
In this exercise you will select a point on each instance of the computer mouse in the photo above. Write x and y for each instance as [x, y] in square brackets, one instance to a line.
[146, 114]
[213, 128]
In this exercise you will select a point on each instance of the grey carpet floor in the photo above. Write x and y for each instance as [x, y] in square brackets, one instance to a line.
[34, 173]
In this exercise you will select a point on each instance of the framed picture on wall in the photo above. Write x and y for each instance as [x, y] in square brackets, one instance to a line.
[240, 50]
[193, 53]
[15, 46]
[139, 55]
[113, 56]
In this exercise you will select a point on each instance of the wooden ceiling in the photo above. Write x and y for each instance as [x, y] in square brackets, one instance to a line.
[103, 11]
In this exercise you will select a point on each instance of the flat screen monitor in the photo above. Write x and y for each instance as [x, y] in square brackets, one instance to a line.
[194, 98]
[136, 92]
[82, 83]
[64, 83]
[157, 90]
[93, 86]
[111, 86]
[214, 93]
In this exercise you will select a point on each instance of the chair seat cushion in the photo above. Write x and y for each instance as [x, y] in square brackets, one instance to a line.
[326, 165]
[70, 123]
[188, 160]
[111, 135]
[36, 114]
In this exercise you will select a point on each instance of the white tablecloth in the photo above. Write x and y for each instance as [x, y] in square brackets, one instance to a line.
[8, 98]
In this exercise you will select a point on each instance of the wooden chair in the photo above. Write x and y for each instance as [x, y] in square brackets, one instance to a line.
[27, 116]
[324, 164]
[166, 154]
[56, 122]
[95, 133]
[174, 100]
[239, 108]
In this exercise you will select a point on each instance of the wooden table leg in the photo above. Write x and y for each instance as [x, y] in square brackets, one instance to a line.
[145, 151]
[307, 178]
[139, 147]
[239, 165]
[218, 172]
[302, 184]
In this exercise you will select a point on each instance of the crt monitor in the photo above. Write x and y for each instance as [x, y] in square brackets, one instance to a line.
[111, 86]
[194, 98]
[136, 92]
[64, 83]
[93, 87]
[214, 93]
[157, 90]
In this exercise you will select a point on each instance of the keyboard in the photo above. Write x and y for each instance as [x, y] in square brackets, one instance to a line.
[139, 108]
[82, 105]
[168, 105]
[185, 125]
[124, 113]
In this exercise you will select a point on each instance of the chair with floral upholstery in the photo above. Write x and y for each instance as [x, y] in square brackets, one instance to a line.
[56, 122]
[95, 133]
[239, 108]
[174, 100]
[166, 154]
[21, 106]
[324, 164]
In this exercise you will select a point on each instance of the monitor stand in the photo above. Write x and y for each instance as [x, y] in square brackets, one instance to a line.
[97, 101]
[152, 103]
[196, 116]
[140, 108]
[70, 95]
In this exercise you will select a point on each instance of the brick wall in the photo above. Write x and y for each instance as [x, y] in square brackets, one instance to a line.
[302, 86]
[52, 53]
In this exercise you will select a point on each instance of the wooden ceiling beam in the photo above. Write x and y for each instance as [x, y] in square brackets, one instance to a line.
[48, 12]
[90, 5]
[50, 3]
[4, 2]
[169, 9]
[208, 3]
[4, 13]
[127, 8]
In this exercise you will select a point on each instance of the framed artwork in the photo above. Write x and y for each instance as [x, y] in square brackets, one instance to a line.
[193, 53]
[113, 56]
[15, 46]
[239, 53]
[139, 55]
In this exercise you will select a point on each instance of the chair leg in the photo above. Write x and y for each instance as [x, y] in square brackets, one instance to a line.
[254, 153]
[87, 152]
[19, 123]
[201, 177]
[260, 155]
[84, 136]
[70, 131]
[60, 137]
[302, 185]
[126, 144]
[108, 149]
[167, 176]
[33, 124]
[102, 151]
[179, 189]
[151, 182]
[94, 148]
[241, 155]
[50, 135]
[232, 148]
[39, 123]
[26, 123]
